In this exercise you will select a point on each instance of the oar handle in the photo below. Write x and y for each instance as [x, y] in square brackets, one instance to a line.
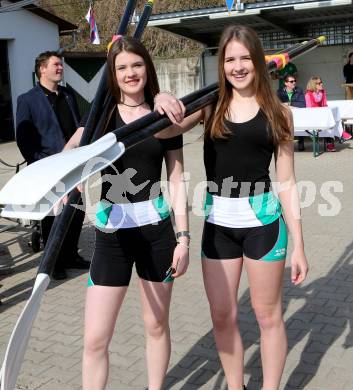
[278, 61]
[305, 47]
[146, 13]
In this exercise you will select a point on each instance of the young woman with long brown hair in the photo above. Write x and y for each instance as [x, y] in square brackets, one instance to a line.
[245, 221]
[133, 225]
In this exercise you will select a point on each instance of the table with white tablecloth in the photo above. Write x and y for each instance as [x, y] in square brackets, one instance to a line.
[345, 107]
[346, 110]
[317, 122]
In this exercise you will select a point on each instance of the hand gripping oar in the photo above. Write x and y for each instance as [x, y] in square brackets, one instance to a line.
[20, 336]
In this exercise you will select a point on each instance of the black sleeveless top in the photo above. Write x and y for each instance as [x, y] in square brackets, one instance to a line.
[238, 166]
[135, 176]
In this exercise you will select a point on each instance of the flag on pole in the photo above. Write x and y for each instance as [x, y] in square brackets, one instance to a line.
[230, 4]
[94, 36]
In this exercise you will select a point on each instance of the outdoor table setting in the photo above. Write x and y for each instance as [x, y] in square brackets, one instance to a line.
[317, 122]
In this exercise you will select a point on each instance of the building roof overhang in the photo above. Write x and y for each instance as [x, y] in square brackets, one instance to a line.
[294, 18]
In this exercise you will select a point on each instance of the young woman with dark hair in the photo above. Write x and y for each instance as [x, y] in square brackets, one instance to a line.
[133, 225]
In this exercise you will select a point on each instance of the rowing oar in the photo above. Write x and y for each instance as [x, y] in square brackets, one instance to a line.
[20, 336]
[278, 61]
[62, 170]
[65, 170]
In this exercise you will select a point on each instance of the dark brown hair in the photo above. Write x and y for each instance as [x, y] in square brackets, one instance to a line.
[132, 45]
[42, 60]
[287, 76]
[268, 101]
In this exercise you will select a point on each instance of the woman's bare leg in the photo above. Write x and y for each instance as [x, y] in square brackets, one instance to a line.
[265, 282]
[221, 279]
[155, 298]
[102, 308]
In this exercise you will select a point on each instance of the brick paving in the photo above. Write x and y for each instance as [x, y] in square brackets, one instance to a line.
[318, 315]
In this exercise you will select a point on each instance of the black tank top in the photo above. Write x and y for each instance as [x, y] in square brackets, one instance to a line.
[239, 164]
[135, 177]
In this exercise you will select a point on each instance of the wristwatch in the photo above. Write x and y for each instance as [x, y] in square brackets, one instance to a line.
[184, 233]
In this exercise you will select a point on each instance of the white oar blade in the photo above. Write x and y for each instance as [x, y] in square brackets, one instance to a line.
[81, 173]
[20, 335]
[32, 183]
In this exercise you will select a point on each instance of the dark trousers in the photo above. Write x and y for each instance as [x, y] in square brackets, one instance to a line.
[69, 248]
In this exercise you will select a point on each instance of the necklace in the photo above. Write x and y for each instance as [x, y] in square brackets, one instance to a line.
[129, 105]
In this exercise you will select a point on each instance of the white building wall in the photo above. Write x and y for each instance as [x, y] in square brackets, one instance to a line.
[27, 35]
[178, 75]
[326, 62]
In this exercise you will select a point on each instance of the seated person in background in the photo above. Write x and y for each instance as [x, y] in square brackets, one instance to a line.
[315, 96]
[292, 95]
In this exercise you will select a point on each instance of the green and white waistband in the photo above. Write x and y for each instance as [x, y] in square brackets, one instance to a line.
[129, 215]
[244, 212]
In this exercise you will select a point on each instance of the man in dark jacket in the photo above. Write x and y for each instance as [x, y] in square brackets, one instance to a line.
[47, 116]
[293, 96]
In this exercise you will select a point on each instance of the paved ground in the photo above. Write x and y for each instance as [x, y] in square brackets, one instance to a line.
[319, 315]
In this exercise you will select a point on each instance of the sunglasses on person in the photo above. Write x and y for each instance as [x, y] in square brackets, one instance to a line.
[319, 83]
[291, 81]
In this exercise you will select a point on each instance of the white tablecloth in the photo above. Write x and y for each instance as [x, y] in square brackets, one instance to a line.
[345, 107]
[325, 119]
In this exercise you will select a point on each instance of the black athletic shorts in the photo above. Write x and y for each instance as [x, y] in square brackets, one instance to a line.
[266, 243]
[150, 247]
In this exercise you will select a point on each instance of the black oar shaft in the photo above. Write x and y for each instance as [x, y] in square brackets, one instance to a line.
[154, 116]
[101, 93]
[62, 222]
[154, 122]
[296, 51]
[144, 133]
[57, 234]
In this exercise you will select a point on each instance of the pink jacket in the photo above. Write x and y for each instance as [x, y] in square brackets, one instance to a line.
[310, 100]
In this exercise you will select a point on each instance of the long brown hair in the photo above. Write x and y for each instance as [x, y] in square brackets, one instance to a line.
[132, 45]
[268, 101]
